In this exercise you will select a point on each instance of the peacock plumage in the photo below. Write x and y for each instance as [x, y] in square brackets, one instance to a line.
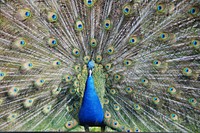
[82, 65]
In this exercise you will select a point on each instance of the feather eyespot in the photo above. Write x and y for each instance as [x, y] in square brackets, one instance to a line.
[28, 103]
[174, 117]
[79, 25]
[107, 24]
[196, 44]
[127, 62]
[52, 17]
[52, 42]
[156, 100]
[24, 14]
[171, 90]
[192, 101]
[193, 11]
[187, 71]
[126, 9]
[76, 52]
[86, 59]
[128, 89]
[156, 63]
[20, 42]
[72, 91]
[117, 77]
[98, 58]
[93, 43]
[47, 109]
[133, 40]
[136, 107]
[110, 50]
[89, 3]
[13, 92]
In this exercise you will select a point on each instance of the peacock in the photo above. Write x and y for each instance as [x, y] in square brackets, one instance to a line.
[100, 65]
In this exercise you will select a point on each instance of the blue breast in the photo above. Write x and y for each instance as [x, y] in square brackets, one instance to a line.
[91, 112]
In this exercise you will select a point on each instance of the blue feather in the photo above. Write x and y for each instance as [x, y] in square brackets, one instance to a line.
[91, 112]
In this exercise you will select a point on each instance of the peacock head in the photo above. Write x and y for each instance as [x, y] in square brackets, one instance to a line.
[90, 65]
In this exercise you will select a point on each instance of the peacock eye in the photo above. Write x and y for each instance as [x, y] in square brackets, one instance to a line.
[89, 3]
[41, 81]
[194, 42]
[93, 43]
[69, 124]
[164, 36]
[133, 40]
[116, 107]
[108, 66]
[126, 9]
[174, 117]
[86, 59]
[193, 11]
[107, 24]
[193, 101]
[112, 91]
[115, 124]
[24, 13]
[79, 26]
[27, 14]
[98, 58]
[160, 8]
[128, 89]
[77, 68]
[22, 42]
[127, 62]
[137, 130]
[137, 107]
[1, 74]
[187, 71]
[54, 42]
[76, 52]
[117, 77]
[156, 63]
[110, 50]
[67, 77]
[72, 91]
[58, 63]
[30, 64]
[156, 100]
[76, 84]
[52, 16]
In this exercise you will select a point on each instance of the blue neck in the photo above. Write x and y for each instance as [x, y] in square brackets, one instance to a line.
[91, 112]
